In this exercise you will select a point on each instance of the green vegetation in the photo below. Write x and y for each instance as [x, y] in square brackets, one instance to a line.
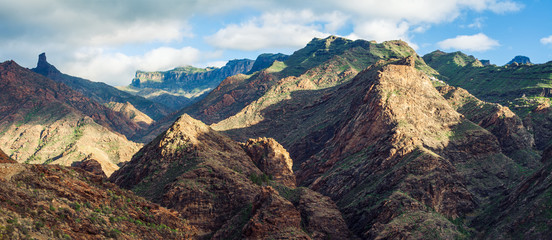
[260, 179]
[491, 83]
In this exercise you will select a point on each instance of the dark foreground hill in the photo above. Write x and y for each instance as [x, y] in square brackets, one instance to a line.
[55, 202]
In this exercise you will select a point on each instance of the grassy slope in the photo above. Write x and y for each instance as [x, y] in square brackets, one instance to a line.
[491, 83]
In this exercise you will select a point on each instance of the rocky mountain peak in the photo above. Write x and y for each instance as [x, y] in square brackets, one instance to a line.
[519, 60]
[45, 68]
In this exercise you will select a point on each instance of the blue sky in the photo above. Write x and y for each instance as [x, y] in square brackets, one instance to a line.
[108, 40]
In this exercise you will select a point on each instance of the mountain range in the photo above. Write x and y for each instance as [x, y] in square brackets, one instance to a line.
[342, 139]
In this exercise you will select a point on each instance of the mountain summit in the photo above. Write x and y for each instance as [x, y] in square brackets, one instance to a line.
[100, 92]
[520, 60]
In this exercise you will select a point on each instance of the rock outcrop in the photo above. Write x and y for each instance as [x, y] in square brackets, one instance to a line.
[129, 111]
[214, 184]
[91, 166]
[56, 202]
[271, 158]
[98, 91]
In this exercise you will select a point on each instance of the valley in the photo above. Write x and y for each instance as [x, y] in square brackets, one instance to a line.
[342, 139]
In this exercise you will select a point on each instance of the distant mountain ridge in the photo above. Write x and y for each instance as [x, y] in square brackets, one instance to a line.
[98, 91]
[44, 121]
[182, 86]
[524, 88]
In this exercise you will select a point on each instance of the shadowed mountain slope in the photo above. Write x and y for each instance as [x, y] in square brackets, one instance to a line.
[213, 182]
[42, 121]
[100, 92]
[322, 65]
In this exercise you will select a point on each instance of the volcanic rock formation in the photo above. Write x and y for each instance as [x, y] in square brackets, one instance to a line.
[214, 184]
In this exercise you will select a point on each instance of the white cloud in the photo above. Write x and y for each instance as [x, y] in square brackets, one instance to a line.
[272, 30]
[504, 6]
[477, 23]
[381, 30]
[546, 40]
[95, 40]
[118, 69]
[477, 42]
[142, 32]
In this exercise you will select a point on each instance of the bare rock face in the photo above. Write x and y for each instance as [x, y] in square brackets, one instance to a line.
[321, 216]
[273, 216]
[216, 185]
[91, 166]
[403, 153]
[129, 111]
[271, 158]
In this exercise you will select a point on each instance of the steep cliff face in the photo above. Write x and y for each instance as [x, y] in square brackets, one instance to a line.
[271, 158]
[181, 86]
[214, 184]
[100, 92]
[42, 121]
[55, 202]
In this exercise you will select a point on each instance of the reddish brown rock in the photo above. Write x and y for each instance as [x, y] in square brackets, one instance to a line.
[401, 144]
[272, 159]
[91, 166]
[5, 158]
[55, 202]
[217, 187]
[273, 216]
[515, 139]
[321, 217]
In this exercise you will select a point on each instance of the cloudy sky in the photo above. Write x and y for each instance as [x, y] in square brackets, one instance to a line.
[108, 40]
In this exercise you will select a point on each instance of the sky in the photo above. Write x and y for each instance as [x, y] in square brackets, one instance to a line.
[108, 40]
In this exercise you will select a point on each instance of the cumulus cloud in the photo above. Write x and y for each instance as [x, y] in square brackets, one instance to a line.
[546, 40]
[278, 29]
[370, 19]
[381, 30]
[118, 68]
[478, 42]
[95, 40]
